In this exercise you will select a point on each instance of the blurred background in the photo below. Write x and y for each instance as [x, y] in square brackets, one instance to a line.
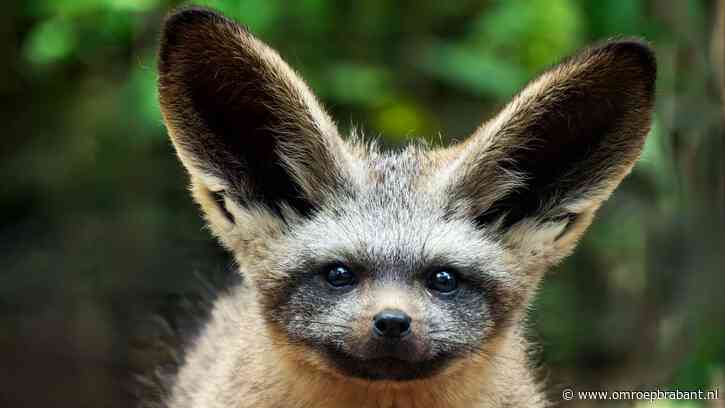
[102, 251]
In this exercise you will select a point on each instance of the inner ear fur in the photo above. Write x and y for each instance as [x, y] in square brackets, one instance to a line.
[562, 145]
[242, 121]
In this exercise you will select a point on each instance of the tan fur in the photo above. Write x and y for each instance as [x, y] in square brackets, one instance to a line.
[283, 379]
[278, 185]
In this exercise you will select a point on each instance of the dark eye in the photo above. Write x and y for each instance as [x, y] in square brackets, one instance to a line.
[339, 276]
[443, 281]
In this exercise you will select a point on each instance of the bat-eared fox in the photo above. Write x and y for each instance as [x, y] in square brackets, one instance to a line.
[384, 279]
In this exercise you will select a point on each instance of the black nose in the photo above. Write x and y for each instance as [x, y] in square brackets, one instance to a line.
[391, 324]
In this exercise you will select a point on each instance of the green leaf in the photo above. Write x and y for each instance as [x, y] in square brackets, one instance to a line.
[479, 72]
[358, 84]
[50, 41]
[506, 45]
[400, 120]
[259, 15]
[140, 100]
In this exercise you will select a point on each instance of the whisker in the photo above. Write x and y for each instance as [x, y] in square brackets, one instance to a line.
[305, 321]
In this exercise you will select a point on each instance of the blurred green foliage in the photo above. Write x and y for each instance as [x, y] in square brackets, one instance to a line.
[95, 219]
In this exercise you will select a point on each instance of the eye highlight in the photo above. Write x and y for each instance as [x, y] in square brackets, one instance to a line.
[339, 276]
[443, 281]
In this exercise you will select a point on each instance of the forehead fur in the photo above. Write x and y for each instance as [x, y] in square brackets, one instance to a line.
[393, 218]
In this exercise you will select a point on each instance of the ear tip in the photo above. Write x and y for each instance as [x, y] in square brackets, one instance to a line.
[189, 19]
[633, 50]
[637, 48]
[177, 23]
[191, 14]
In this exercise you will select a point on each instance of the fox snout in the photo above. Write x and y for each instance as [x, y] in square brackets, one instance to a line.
[391, 337]
[392, 334]
[391, 325]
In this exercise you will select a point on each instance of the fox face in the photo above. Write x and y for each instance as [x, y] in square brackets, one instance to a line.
[394, 266]
[388, 283]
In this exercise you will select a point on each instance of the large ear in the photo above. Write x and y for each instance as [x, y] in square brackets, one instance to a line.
[544, 164]
[246, 127]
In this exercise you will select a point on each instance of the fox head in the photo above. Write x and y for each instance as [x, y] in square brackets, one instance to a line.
[405, 265]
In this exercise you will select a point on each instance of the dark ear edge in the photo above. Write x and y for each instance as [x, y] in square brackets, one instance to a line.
[187, 16]
[571, 134]
[239, 115]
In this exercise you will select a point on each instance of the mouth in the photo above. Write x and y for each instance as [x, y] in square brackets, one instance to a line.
[387, 368]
